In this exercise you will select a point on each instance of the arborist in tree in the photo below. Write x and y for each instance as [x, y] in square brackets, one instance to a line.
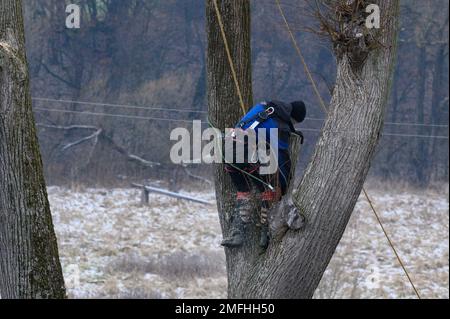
[270, 188]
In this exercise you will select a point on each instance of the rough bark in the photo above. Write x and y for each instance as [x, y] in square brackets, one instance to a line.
[224, 110]
[293, 265]
[438, 97]
[422, 144]
[29, 262]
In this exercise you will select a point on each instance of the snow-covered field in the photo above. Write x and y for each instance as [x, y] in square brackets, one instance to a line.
[112, 247]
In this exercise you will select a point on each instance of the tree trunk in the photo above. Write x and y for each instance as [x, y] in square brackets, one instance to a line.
[422, 149]
[436, 113]
[224, 109]
[293, 264]
[29, 262]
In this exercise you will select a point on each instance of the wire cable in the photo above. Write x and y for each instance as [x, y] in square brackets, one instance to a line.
[147, 118]
[117, 115]
[127, 106]
[117, 105]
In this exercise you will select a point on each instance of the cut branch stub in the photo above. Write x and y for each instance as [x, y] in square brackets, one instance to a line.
[345, 22]
[285, 215]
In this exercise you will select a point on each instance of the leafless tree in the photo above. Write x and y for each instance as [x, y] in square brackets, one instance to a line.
[294, 263]
[29, 262]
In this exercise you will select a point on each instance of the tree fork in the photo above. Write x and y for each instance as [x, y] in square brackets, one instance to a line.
[293, 265]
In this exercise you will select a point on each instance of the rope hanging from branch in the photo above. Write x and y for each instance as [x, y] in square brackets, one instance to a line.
[230, 59]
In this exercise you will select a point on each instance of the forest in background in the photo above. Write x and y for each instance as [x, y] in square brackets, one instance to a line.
[150, 53]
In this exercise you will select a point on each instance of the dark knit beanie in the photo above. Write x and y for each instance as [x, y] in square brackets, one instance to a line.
[298, 111]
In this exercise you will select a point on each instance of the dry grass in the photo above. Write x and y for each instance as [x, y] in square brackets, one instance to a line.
[171, 249]
[364, 265]
[176, 265]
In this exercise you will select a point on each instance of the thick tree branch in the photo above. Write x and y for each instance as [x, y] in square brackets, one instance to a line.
[93, 136]
[200, 178]
[335, 176]
[131, 157]
[60, 78]
[29, 261]
[96, 135]
[295, 261]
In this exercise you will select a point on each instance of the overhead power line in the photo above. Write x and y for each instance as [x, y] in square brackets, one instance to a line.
[116, 115]
[417, 135]
[148, 118]
[181, 110]
[389, 134]
[415, 124]
[118, 105]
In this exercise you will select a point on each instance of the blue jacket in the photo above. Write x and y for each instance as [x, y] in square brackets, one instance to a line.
[280, 120]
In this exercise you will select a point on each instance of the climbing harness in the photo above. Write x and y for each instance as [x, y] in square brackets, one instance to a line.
[258, 119]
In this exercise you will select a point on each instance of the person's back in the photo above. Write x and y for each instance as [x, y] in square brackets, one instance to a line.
[271, 122]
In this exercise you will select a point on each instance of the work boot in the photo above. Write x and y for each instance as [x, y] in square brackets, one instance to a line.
[264, 236]
[236, 238]
[241, 217]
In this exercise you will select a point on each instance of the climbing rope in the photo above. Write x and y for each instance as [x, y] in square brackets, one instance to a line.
[391, 244]
[302, 58]
[230, 59]
[238, 90]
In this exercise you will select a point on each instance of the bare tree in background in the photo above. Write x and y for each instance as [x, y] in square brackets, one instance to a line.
[294, 262]
[29, 262]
